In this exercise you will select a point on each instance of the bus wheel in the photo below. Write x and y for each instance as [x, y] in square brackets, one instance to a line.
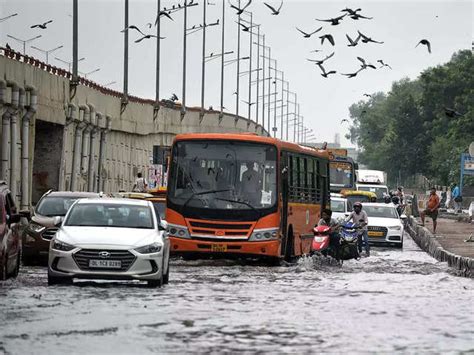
[289, 245]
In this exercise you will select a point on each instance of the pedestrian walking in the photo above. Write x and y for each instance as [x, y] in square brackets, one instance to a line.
[456, 196]
[431, 209]
[140, 184]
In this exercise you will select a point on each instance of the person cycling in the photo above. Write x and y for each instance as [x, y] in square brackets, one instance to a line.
[360, 218]
[327, 220]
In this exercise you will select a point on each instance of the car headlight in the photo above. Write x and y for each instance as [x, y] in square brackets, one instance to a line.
[175, 230]
[58, 245]
[396, 228]
[149, 249]
[35, 227]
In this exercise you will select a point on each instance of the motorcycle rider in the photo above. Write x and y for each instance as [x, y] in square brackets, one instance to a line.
[359, 217]
[327, 220]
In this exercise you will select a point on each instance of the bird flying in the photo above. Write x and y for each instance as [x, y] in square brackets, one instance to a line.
[352, 43]
[147, 37]
[308, 35]
[240, 11]
[451, 112]
[329, 37]
[133, 27]
[367, 39]
[319, 62]
[324, 73]
[174, 97]
[244, 28]
[334, 21]
[352, 75]
[426, 43]
[344, 120]
[248, 103]
[274, 12]
[364, 64]
[42, 25]
[162, 13]
[368, 95]
[383, 64]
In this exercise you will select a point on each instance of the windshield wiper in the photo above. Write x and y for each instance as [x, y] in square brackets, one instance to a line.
[243, 203]
[204, 193]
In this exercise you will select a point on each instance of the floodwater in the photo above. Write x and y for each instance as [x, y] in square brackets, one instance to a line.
[394, 301]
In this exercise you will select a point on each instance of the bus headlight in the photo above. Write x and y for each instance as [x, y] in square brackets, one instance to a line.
[175, 230]
[264, 234]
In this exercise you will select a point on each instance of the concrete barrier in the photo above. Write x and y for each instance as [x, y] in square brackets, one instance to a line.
[427, 242]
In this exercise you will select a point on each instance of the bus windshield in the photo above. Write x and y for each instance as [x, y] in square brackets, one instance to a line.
[341, 174]
[380, 191]
[215, 177]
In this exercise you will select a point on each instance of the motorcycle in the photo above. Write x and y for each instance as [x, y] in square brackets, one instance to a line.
[345, 249]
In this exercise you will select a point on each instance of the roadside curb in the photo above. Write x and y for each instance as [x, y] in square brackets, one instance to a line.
[456, 217]
[427, 242]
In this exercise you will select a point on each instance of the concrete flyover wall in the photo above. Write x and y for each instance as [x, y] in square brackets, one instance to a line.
[92, 120]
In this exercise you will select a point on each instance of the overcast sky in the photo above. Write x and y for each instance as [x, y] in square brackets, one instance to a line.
[324, 102]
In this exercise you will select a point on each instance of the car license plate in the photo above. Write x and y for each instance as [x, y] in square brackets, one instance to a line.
[375, 234]
[105, 264]
[220, 248]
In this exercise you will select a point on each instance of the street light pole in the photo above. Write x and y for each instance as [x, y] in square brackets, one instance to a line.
[183, 95]
[274, 111]
[24, 42]
[125, 53]
[250, 69]
[46, 52]
[158, 50]
[269, 90]
[258, 73]
[203, 70]
[222, 59]
[237, 99]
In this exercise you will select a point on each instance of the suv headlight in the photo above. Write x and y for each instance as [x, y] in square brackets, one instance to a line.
[395, 228]
[35, 227]
[58, 245]
[149, 249]
[264, 234]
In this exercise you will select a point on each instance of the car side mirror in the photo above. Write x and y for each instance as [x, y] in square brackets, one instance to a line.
[163, 226]
[57, 221]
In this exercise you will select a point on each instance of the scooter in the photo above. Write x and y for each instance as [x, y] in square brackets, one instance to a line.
[348, 238]
[321, 239]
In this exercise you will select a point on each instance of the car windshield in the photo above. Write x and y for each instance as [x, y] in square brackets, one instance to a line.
[380, 191]
[160, 208]
[337, 206]
[52, 206]
[110, 215]
[341, 174]
[223, 175]
[381, 211]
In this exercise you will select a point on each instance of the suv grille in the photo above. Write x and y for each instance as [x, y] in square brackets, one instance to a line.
[49, 233]
[83, 256]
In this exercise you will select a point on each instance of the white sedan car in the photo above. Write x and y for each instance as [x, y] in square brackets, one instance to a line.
[385, 225]
[117, 239]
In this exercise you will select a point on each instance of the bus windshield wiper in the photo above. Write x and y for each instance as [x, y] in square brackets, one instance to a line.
[204, 193]
[243, 203]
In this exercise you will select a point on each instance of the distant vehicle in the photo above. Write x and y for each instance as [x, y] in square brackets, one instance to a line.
[385, 225]
[471, 210]
[340, 208]
[110, 239]
[373, 181]
[41, 229]
[156, 196]
[357, 196]
[10, 239]
[244, 195]
[342, 173]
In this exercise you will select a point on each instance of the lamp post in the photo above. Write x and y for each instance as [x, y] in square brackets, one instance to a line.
[47, 52]
[24, 41]
[125, 54]
[158, 51]
[221, 114]
[203, 69]
[69, 63]
[75, 42]
[238, 68]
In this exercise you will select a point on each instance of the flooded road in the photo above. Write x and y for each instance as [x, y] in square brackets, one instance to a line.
[393, 301]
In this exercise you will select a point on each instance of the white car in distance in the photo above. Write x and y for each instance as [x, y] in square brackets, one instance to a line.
[113, 239]
[385, 225]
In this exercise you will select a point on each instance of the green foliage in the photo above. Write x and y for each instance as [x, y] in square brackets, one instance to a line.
[407, 131]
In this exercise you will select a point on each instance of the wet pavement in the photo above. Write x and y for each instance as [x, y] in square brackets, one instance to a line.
[396, 300]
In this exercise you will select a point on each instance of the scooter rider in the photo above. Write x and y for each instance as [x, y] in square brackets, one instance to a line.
[360, 218]
[326, 220]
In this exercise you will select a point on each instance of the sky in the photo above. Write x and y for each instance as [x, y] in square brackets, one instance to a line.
[324, 102]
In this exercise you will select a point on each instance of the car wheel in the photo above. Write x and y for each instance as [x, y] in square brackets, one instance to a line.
[155, 283]
[58, 280]
[166, 277]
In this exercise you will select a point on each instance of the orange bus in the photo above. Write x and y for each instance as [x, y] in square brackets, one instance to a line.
[244, 195]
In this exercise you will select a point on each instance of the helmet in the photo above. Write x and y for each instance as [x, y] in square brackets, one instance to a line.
[357, 204]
